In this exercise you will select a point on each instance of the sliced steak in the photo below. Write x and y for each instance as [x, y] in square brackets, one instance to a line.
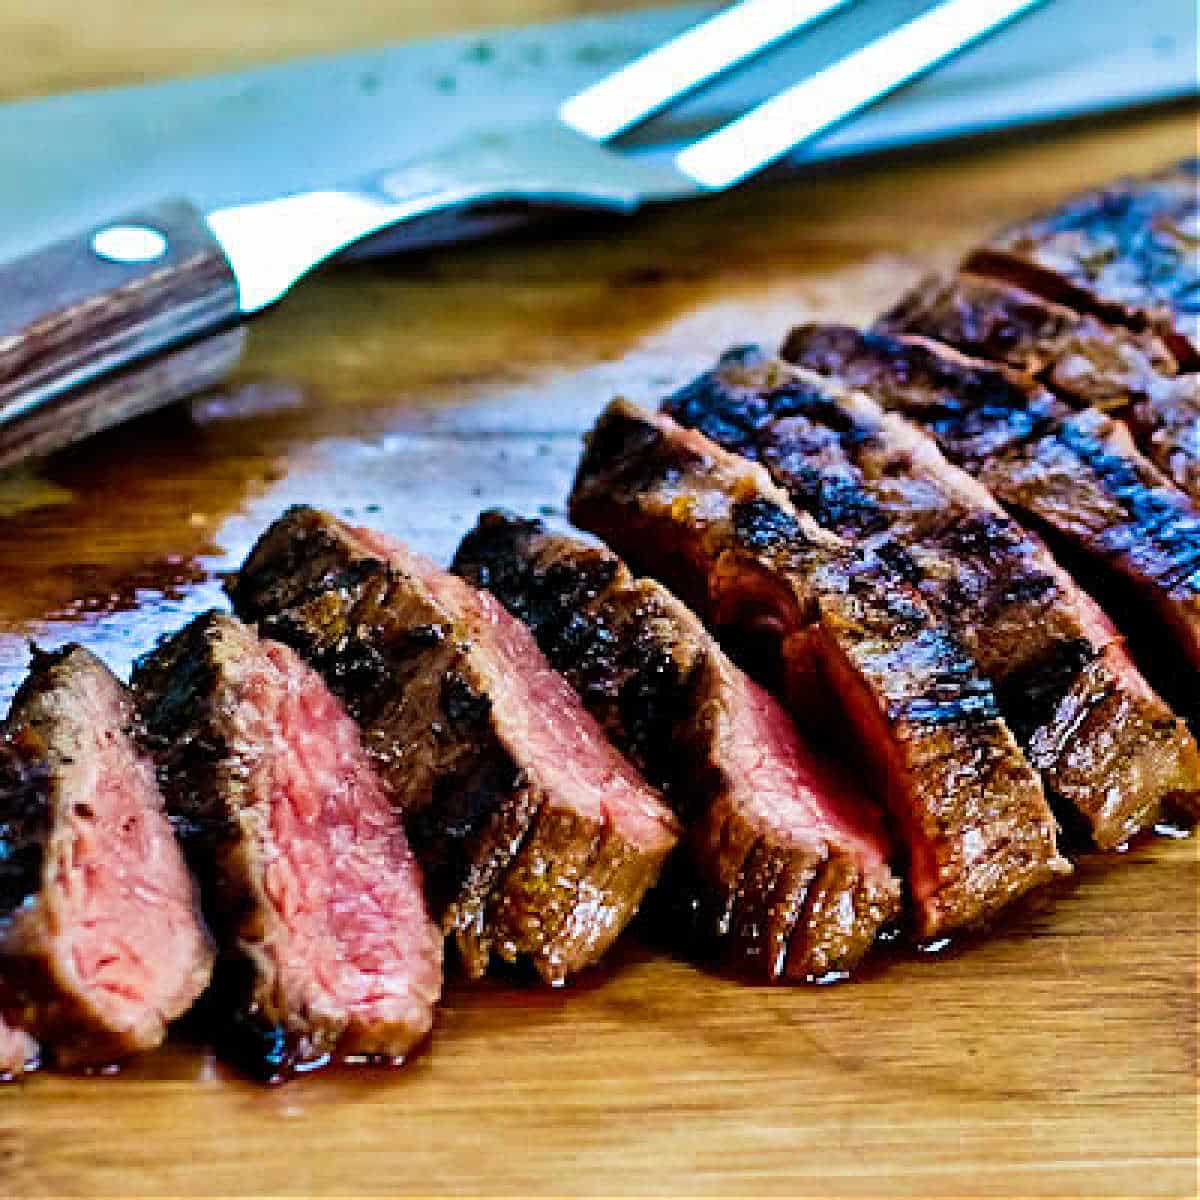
[101, 942]
[1105, 743]
[537, 838]
[786, 859]
[1076, 475]
[1129, 374]
[326, 949]
[850, 631]
[1127, 252]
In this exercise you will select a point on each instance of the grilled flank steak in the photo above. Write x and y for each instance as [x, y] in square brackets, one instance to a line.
[101, 942]
[1075, 475]
[785, 862]
[850, 632]
[537, 838]
[1105, 743]
[326, 950]
[1129, 374]
[1126, 252]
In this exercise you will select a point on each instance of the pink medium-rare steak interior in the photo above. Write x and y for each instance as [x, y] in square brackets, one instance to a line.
[110, 949]
[779, 777]
[327, 949]
[347, 932]
[537, 710]
[801, 837]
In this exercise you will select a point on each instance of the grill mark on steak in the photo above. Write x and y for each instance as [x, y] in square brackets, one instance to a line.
[307, 879]
[101, 942]
[1076, 475]
[786, 863]
[1129, 374]
[1106, 744]
[714, 528]
[1076, 354]
[1127, 252]
[538, 840]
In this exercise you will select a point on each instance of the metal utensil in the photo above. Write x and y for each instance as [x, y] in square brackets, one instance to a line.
[90, 306]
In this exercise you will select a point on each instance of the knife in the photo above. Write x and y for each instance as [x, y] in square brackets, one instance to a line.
[241, 137]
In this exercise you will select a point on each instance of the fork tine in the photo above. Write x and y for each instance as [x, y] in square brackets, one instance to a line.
[864, 76]
[638, 90]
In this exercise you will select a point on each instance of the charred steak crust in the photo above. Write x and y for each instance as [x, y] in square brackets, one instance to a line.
[774, 888]
[1126, 252]
[1076, 354]
[513, 867]
[249, 744]
[24, 823]
[716, 529]
[1132, 375]
[1076, 475]
[101, 941]
[1106, 744]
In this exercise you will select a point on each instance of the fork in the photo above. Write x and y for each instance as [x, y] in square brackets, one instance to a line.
[75, 314]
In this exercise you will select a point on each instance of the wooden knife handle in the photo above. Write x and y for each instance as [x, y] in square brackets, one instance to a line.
[119, 397]
[122, 291]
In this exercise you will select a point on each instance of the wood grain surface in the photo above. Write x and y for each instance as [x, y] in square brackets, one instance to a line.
[1055, 1057]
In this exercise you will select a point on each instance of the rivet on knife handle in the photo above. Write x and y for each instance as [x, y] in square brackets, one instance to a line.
[119, 293]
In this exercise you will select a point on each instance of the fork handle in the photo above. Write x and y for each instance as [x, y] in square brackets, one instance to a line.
[108, 298]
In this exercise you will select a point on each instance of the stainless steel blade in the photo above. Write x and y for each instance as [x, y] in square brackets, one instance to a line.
[68, 161]
[819, 102]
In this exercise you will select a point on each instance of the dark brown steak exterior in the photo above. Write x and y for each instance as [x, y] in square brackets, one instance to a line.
[786, 860]
[1129, 374]
[307, 880]
[1127, 252]
[1076, 475]
[716, 529]
[101, 942]
[1105, 743]
[24, 817]
[537, 839]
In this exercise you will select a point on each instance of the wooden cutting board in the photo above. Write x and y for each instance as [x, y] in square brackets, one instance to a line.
[1055, 1057]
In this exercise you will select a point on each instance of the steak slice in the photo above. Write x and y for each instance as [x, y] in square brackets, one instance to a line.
[786, 868]
[101, 942]
[1076, 475]
[326, 950]
[716, 529]
[1126, 252]
[537, 838]
[1131, 375]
